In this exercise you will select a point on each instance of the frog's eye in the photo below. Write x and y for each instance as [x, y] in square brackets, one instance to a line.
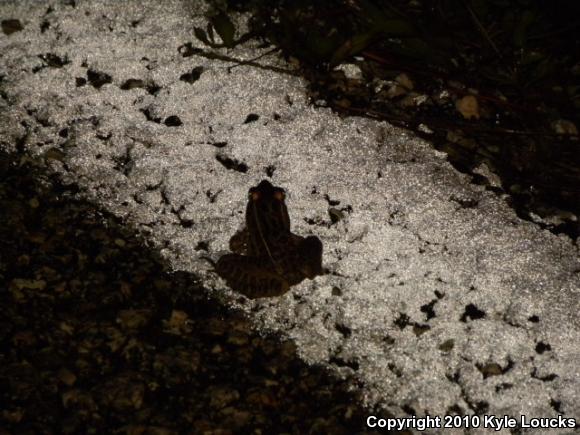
[279, 195]
[254, 196]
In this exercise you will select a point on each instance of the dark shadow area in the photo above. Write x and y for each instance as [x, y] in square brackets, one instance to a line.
[97, 337]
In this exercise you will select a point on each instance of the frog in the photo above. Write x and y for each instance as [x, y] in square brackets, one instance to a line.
[267, 258]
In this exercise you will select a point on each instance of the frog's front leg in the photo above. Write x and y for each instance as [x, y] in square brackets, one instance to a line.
[239, 241]
[251, 276]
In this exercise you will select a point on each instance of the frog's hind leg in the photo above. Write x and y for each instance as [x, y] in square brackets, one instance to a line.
[248, 276]
[309, 253]
[228, 266]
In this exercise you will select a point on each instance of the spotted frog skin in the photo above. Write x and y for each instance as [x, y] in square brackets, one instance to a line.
[267, 258]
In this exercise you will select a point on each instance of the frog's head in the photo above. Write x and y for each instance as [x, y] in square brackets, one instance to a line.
[266, 214]
[265, 191]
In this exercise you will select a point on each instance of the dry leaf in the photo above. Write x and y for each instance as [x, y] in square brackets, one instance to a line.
[468, 107]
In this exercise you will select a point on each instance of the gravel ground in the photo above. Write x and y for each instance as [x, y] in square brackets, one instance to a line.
[96, 338]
